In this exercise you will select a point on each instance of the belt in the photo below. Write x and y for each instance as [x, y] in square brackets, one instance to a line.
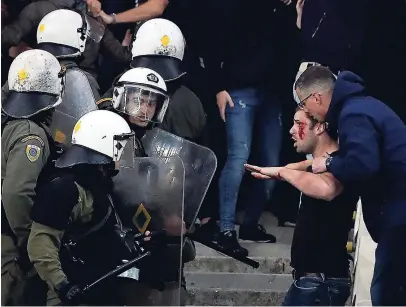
[296, 275]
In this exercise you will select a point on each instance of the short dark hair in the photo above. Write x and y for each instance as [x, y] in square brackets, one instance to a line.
[315, 78]
[313, 121]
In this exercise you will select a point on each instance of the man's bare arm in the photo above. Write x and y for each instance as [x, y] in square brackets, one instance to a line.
[148, 10]
[300, 166]
[322, 186]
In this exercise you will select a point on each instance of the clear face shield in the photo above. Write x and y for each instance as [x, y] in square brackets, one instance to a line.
[143, 105]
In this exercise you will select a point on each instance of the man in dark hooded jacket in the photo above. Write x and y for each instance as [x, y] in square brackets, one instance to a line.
[372, 158]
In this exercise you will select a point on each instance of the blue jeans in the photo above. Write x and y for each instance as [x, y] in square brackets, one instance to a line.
[253, 107]
[312, 291]
[388, 286]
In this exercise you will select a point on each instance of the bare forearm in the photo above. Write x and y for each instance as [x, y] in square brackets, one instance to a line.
[300, 166]
[299, 22]
[312, 185]
[151, 9]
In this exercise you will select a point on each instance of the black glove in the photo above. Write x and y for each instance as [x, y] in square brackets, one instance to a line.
[69, 294]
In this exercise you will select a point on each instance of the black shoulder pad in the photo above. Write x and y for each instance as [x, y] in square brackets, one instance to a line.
[54, 202]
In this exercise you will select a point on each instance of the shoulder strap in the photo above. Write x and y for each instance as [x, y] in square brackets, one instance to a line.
[106, 99]
[97, 226]
[70, 65]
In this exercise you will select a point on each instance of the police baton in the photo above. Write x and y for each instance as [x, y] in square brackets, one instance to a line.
[115, 272]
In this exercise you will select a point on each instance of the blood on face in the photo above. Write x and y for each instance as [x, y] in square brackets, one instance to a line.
[301, 131]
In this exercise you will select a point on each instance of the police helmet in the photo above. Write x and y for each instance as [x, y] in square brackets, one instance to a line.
[64, 32]
[35, 81]
[140, 93]
[159, 45]
[99, 137]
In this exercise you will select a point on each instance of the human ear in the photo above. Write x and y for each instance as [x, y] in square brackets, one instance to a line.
[320, 128]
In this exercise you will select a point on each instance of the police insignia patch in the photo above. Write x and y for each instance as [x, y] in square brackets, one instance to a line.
[33, 152]
[151, 77]
[33, 137]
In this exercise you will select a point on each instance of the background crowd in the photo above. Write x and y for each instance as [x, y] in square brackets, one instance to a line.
[245, 56]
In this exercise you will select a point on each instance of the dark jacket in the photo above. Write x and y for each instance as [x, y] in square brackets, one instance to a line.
[372, 157]
[246, 43]
[332, 31]
[25, 28]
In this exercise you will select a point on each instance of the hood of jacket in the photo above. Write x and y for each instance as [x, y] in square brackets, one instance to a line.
[347, 85]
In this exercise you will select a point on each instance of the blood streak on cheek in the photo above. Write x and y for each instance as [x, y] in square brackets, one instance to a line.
[301, 130]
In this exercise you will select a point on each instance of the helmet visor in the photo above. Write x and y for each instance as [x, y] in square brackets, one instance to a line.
[143, 105]
[123, 149]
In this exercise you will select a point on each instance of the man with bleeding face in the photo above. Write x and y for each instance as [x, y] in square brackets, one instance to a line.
[319, 254]
[307, 133]
[371, 159]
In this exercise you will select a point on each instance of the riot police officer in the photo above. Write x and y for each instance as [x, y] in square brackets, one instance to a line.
[35, 80]
[64, 33]
[140, 97]
[159, 45]
[74, 205]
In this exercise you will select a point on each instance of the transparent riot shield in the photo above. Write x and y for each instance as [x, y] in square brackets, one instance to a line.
[95, 30]
[150, 201]
[199, 161]
[62, 127]
[77, 100]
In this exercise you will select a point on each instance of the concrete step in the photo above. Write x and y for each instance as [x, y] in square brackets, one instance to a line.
[214, 279]
[273, 259]
[231, 289]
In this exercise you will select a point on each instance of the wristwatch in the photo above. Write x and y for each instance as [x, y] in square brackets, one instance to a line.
[328, 161]
[114, 18]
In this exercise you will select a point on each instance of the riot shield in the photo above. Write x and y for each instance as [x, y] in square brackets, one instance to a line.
[95, 30]
[62, 127]
[150, 200]
[77, 100]
[200, 165]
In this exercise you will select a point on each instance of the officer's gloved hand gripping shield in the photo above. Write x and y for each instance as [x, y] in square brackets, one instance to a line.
[150, 201]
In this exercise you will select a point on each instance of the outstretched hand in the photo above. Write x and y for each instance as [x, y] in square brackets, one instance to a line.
[264, 172]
